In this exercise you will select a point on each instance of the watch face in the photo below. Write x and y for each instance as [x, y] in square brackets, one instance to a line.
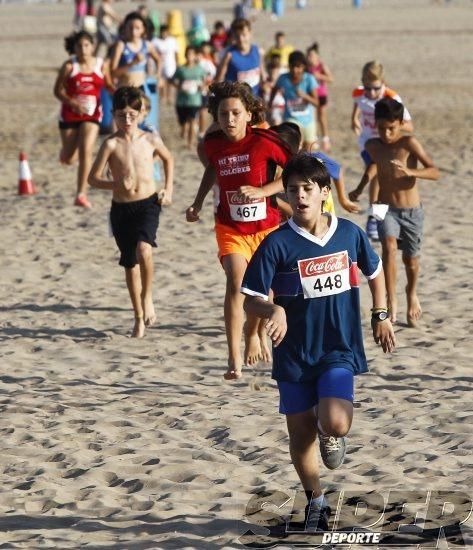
[382, 315]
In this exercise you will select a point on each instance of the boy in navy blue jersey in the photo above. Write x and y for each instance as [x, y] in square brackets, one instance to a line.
[311, 264]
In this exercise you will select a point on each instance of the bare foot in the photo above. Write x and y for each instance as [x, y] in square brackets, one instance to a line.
[414, 311]
[234, 370]
[252, 348]
[392, 309]
[139, 328]
[266, 356]
[148, 311]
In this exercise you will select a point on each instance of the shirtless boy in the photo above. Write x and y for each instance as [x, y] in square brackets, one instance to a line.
[136, 206]
[396, 157]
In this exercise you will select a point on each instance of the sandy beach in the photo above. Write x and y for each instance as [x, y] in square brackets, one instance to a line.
[109, 442]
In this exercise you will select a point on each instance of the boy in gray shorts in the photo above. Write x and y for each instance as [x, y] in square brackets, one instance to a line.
[399, 212]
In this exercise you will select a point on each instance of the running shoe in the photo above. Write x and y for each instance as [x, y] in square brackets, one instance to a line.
[332, 450]
[372, 228]
[83, 201]
[316, 518]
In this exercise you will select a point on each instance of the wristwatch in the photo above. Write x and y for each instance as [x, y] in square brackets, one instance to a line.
[381, 315]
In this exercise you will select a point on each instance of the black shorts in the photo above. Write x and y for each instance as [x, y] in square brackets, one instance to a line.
[133, 222]
[186, 114]
[323, 101]
[75, 125]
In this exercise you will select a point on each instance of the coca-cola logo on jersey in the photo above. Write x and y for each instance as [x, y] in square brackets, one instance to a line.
[324, 264]
[235, 198]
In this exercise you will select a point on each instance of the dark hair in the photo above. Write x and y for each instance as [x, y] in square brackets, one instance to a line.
[135, 16]
[190, 49]
[240, 24]
[389, 109]
[163, 28]
[219, 25]
[314, 46]
[309, 168]
[71, 40]
[128, 96]
[279, 34]
[297, 58]
[290, 133]
[224, 90]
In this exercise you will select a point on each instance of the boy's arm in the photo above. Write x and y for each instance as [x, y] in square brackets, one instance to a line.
[165, 195]
[267, 190]
[274, 91]
[368, 175]
[429, 172]
[208, 179]
[383, 332]
[95, 178]
[222, 68]
[355, 119]
[276, 324]
[311, 97]
[156, 57]
[344, 201]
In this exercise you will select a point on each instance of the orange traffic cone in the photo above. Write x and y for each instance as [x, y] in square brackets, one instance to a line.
[25, 183]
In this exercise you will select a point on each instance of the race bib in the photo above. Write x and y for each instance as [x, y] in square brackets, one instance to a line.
[251, 77]
[298, 107]
[89, 102]
[325, 275]
[190, 86]
[246, 210]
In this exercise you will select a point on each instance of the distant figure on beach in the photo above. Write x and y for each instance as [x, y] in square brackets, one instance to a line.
[400, 213]
[130, 55]
[311, 264]
[189, 80]
[242, 61]
[136, 205]
[299, 90]
[78, 86]
[324, 77]
[107, 25]
[363, 124]
[242, 160]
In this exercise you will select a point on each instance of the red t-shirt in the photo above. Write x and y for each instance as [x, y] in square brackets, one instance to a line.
[250, 161]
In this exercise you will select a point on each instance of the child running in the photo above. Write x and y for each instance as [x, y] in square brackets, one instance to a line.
[402, 217]
[299, 89]
[130, 55]
[242, 160]
[78, 86]
[136, 206]
[242, 61]
[363, 124]
[324, 77]
[189, 80]
[311, 264]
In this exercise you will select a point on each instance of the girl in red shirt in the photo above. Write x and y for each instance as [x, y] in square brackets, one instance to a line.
[78, 87]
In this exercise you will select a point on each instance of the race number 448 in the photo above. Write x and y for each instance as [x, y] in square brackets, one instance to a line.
[325, 275]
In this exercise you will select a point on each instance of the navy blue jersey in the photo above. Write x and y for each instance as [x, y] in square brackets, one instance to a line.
[316, 281]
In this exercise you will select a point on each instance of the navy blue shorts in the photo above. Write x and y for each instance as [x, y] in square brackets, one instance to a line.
[297, 397]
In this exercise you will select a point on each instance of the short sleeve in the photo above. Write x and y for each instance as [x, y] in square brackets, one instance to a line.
[260, 271]
[368, 261]
[312, 83]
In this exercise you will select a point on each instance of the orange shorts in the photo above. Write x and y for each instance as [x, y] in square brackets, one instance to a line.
[230, 241]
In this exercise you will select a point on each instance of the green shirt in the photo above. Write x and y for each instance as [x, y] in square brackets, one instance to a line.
[190, 81]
